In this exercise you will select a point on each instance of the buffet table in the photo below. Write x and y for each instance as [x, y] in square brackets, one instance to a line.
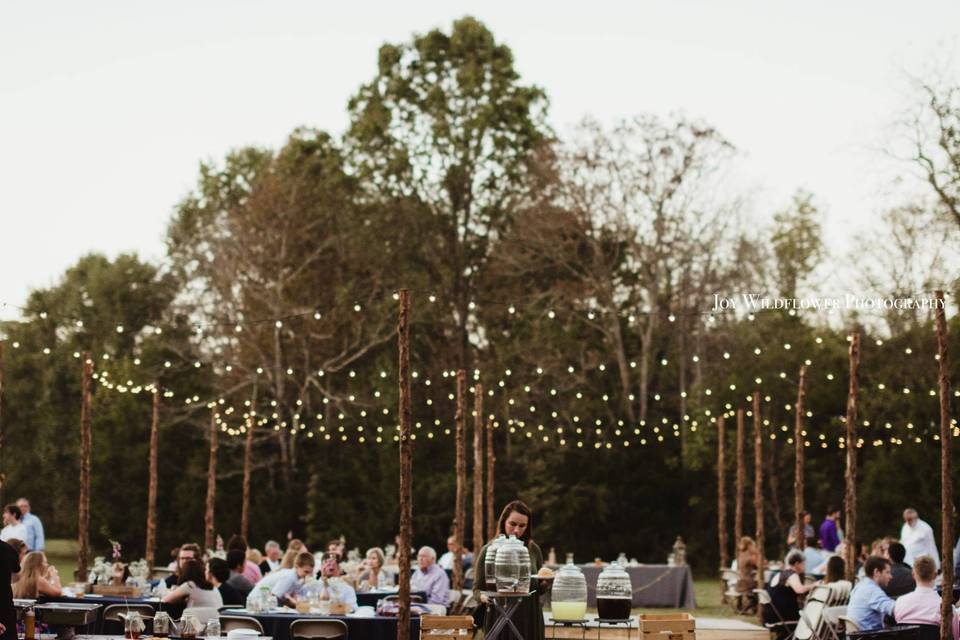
[654, 585]
[277, 624]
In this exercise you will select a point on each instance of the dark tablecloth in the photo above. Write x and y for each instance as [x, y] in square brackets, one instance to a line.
[277, 625]
[113, 627]
[654, 585]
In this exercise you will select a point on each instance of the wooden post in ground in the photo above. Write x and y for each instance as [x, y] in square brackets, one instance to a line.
[460, 506]
[758, 481]
[83, 525]
[798, 461]
[477, 467]
[208, 541]
[946, 479]
[850, 497]
[247, 464]
[741, 481]
[152, 483]
[406, 467]
[491, 462]
[722, 492]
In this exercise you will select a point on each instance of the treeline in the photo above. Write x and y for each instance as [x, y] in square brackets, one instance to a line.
[573, 278]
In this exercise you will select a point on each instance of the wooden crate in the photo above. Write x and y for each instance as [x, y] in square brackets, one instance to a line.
[122, 591]
[667, 626]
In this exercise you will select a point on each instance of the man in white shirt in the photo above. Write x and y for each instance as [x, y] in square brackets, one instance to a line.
[917, 537]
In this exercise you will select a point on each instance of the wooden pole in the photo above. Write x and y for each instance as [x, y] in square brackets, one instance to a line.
[722, 492]
[208, 541]
[3, 467]
[850, 498]
[946, 479]
[477, 467]
[247, 463]
[758, 481]
[741, 481]
[491, 462]
[460, 508]
[406, 467]
[798, 460]
[152, 483]
[83, 526]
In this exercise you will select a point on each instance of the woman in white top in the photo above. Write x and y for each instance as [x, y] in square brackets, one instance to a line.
[194, 588]
[12, 526]
[370, 575]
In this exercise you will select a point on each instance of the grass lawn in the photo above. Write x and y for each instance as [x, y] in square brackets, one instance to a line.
[63, 555]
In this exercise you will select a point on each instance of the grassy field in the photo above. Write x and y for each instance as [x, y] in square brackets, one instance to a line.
[63, 555]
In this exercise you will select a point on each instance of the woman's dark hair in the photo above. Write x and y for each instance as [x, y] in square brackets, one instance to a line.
[237, 541]
[192, 571]
[14, 510]
[219, 569]
[521, 508]
[236, 559]
[835, 568]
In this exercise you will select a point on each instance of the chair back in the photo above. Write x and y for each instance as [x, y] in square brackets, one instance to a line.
[811, 620]
[849, 625]
[203, 614]
[229, 623]
[396, 598]
[446, 627]
[840, 592]
[729, 576]
[114, 611]
[318, 628]
[929, 631]
[763, 597]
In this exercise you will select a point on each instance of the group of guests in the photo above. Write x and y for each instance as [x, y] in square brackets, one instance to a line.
[895, 577]
[19, 523]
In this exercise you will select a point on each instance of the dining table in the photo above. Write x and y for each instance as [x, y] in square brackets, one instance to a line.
[276, 623]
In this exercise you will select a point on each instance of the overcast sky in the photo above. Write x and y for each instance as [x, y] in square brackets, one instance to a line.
[106, 108]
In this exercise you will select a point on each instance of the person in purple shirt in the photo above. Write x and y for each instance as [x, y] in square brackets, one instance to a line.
[429, 577]
[829, 538]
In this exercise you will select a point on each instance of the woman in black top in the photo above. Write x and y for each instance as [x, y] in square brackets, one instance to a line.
[9, 565]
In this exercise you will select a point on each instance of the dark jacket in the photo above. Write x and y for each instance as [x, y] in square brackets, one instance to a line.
[901, 582]
[9, 564]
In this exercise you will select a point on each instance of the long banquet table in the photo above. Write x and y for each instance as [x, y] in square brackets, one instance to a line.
[277, 624]
[654, 585]
[111, 626]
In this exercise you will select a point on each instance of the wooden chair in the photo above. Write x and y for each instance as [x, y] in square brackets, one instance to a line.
[318, 629]
[229, 623]
[446, 627]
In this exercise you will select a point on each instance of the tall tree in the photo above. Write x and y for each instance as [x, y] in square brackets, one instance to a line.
[797, 242]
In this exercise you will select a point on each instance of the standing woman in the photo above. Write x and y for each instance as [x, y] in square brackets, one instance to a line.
[516, 519]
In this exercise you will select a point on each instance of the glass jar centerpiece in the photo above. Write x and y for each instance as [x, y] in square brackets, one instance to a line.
[490, 561]
[614, 593]
[569, 595]
[513, 567]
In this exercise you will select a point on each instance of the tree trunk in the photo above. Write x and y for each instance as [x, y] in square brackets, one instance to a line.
[850, 501]
[646, 351]
[623, 368]
[247, 463]
[758, 480]
[741, 482]
[722, 492]
[477, 467]
[798, 461]
[946, 479]
[152, 483]
[83, 526]
[460, 507]
[208, 541]
[406, 467]
[491, 461]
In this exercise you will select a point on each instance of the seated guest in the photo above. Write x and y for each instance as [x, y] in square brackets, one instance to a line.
[285, 584]
[334, 582]
[37, 578]
[370, 574]
[297, 545]
[236, 560]
[835, 569]
[218, 573]
[808, 531]
[12, 525]
[868, 603]
[193, 588]
[429, 577]
[748, 560]
[254, 556]
[273, 557]
[289, 558]
[250, 570]
[784, 590]
[922, 605]
[189, 551]
[446, 560]
[812, 557]
[901, 575]
[337, 547]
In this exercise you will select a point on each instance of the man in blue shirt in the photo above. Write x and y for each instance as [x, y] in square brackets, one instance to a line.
[34, 541]
[868, 603]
